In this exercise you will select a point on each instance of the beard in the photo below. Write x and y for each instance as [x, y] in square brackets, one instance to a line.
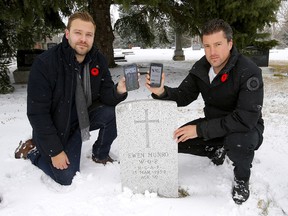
[82, 49]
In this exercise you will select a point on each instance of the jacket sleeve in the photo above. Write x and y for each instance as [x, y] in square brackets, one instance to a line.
[186, 93]
[39, 99]
[247, 112]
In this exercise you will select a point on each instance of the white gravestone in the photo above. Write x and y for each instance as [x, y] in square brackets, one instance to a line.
[147, 151]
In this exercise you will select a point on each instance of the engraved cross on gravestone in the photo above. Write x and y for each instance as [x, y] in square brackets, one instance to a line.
[146, 121]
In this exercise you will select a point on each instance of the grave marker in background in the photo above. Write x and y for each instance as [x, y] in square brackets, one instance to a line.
[25, 59]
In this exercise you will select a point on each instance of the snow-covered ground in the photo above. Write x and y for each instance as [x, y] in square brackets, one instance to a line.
[25, 190]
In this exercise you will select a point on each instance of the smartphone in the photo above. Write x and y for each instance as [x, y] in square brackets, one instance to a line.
[131, 77]
[155, 72]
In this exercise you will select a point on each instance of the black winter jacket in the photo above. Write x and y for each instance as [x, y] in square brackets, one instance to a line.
[51, 91]
[233, 101]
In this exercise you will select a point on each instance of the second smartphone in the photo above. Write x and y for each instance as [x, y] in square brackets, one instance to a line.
[155, 72]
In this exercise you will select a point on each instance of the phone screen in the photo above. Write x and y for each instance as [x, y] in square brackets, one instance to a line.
[155, 75]
[131, 77]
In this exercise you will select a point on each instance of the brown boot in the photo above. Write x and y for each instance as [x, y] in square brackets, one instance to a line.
[24, 148]
[104, 161]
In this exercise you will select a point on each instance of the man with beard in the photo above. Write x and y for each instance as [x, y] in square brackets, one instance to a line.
[70, 92]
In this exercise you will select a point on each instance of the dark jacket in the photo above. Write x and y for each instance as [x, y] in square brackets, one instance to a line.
[233, 101]
[51, 93]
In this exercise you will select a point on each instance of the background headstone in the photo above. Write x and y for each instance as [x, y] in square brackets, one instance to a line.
[259, 56]
[25, 59]
[147, 151]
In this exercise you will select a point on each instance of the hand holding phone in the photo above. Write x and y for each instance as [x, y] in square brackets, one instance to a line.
[155, 73]
[131, 77]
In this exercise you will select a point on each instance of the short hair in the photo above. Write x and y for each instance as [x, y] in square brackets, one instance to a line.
[217, 25]
[85, 16]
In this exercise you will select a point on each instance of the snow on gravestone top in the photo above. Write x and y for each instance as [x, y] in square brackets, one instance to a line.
[148, 154]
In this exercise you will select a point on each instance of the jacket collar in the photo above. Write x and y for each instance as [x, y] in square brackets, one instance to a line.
[231, 62]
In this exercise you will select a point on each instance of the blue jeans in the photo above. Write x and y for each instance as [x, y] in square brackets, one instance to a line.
[103, 118]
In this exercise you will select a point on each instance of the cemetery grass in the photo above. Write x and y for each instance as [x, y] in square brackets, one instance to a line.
[280, 68]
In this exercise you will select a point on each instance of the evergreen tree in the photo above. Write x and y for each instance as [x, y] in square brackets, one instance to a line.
[7, 48]
[22, 23]
[246, 17]
[282, 30]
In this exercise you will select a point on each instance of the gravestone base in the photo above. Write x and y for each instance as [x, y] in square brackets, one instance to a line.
[179, 55]
[21, 77]
[147, 151]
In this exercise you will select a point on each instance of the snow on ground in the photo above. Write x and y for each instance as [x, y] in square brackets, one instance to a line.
[25, 190]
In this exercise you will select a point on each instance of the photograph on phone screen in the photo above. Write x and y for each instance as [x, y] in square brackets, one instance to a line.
[155, 76]
[131, 78]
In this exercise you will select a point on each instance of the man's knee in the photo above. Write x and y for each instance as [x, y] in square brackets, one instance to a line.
[103, 114]
[242, 141]
[240, 146]
[65, 177]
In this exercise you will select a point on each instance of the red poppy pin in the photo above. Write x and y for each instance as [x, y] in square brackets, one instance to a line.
[95, 71]
[224, 77]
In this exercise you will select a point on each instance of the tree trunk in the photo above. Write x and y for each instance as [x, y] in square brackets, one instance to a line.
[100, 10]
